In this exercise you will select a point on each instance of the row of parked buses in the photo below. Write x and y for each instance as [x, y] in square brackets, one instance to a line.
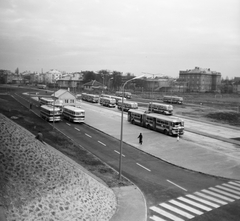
[173, 99]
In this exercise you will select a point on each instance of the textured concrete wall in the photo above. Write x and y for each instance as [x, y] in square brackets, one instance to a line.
[37, 184]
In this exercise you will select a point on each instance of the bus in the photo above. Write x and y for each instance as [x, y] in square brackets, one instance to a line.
[46, 101]
[108, 102]
[126, 105]
[50, 113]
[173, 99]
[74, 114]
[160, 108]
[126, 94]
[41, 86]
[168, 125]
[90, 97]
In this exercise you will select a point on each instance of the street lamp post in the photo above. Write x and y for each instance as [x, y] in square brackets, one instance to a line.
[121, 133]
[109, 82]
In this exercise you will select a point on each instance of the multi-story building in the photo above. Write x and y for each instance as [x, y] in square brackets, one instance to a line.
[201, 79]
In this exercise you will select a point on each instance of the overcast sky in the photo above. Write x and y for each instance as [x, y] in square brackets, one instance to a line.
[153, 36]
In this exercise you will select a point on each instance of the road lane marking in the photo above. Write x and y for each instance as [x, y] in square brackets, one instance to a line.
[224, 193]
[203, 201]
[195, 204]
[231, 186]
[76, 128]
[102, 143]
[68, 124]
[119, 153]
[176, 185]
[236, 184]
[229, 190]
[143, 167]
[166, 214]
[217, 195]
[88, 135]
[176, 210]
[186, 207]
[211, 198]
[156, 218]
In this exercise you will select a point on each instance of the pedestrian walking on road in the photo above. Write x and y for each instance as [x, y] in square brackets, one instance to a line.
[140, 137]
[30, 106]
[39, 136]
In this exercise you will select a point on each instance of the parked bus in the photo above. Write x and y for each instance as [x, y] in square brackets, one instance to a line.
[108, 102]
[118, 99]
[90, 97]
[126, 94]
[50, 113]
[173, 99]
[74, 114]
[160, 108]
[41, 86]
[126, 105]
[168, 125]
[46, 101]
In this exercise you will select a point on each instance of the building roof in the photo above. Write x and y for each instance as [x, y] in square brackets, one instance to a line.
[93, 83]
[60, 92]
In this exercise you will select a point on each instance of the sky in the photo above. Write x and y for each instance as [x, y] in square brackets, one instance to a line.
[157, 37]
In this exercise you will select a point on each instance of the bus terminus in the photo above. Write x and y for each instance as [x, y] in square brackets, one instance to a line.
[108, 102]
[90, 97]
[160, 108]
[74, 114]
[46, 101]
[173, 99]
[49, 113]
[126, 105]
[168, 125]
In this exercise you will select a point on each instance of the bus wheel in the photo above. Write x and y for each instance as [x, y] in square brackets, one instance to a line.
[165, 132]
[133, 122]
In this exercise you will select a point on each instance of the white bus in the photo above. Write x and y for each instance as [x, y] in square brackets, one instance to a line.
[90, 97]
[108, 102]
[50, 113]
[74, 114]
[160, 108]
[126, 94]
[118, 99]
[168, 125]
[127, 105]
[46, 101]
[41, 86]
[173, 99]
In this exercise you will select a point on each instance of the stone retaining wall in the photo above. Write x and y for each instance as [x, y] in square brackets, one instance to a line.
[37, 184]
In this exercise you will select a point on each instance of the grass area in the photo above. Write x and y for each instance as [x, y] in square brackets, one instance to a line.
[22, 116]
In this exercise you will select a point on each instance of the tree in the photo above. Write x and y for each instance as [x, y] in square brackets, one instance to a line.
[88, 76]
[117, 80]
[17, 71]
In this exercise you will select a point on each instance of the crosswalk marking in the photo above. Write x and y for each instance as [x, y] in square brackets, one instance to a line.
[202, 200]
[164, 213]
[224, 193]
[229, 190]
[236, 184]
[211, 198]
[195, 204]
[218, 195]
[176, 210]
[156, 218]
[231, 186]
[186, 207]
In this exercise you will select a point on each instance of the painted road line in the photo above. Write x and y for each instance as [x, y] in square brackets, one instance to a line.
[195, 204]
[143, 167]
[176, 210]
[224, 193]
[166, 214]
[198, 212]
[218, 195]
[211, 198]
[203, 201]
[229, 190]
[68, 124]
[176, 185]
[156, 218]
[76, 128]
[231, 186]
[102, 143]
[119, 153]
[236, 184]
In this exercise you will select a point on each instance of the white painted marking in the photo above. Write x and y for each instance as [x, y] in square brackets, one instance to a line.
[176, 185]
[88, 135]
[176, 210]
[203, 201]
[224, 193]
[76, 129]
[119, 153]
[229, 190]
[68, 124]
[231, 186]
[164, 213]
[143, 167]
[217, 195]
[211, 198]
[236, 184]
[195, 204]
[102, 143]
[198, 212]
[156, 218]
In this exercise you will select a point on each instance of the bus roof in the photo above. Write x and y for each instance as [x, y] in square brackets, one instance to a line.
[163, 117]
[73, 108]
[46, 98]
[156, 103]
[50, 108]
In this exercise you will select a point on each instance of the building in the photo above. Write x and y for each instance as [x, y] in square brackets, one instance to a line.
[71, 80]
[94, 85]
[65, 97]
[201, 80]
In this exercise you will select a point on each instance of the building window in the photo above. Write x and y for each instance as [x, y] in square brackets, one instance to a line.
[71, 101]
[66, 101]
